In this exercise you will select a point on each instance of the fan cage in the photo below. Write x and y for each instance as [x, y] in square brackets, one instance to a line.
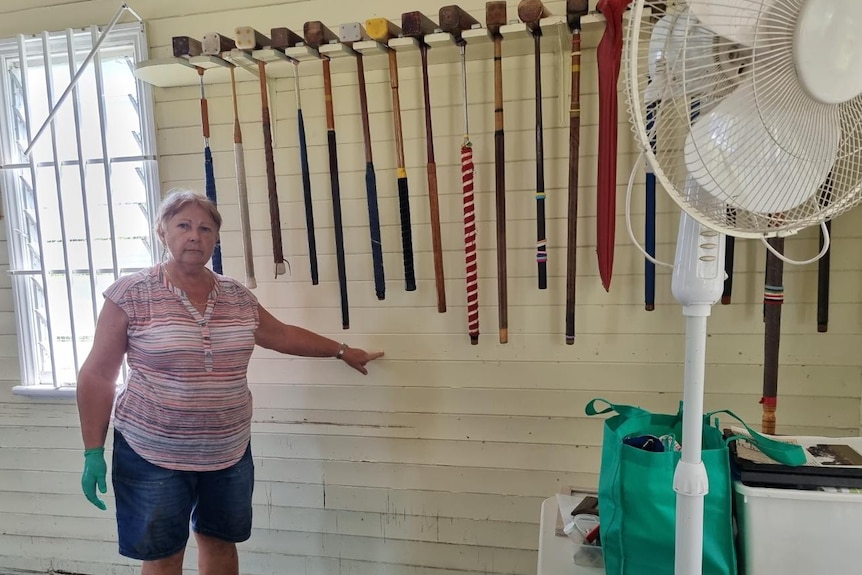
[678, 73]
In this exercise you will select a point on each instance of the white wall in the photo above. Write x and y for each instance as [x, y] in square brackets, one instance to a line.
[438, 461]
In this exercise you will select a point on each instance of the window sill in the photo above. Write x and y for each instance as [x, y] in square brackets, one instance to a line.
[44, 392]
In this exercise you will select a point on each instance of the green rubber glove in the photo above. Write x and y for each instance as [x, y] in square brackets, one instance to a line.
[95, 469]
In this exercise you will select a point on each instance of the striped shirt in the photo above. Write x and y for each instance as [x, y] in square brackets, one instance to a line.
[185, 404]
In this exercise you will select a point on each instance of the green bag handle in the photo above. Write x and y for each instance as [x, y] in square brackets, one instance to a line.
[627, 411]
[784, 453]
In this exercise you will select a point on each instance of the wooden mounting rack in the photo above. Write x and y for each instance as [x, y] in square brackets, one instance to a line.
[171, 72]
[517, 41]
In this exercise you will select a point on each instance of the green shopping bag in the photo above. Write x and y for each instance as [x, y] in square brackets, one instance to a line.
[637, 503]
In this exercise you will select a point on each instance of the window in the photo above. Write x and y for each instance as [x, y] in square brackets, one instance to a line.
[79, 209]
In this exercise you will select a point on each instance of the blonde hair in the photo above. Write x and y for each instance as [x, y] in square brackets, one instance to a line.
[179, 199]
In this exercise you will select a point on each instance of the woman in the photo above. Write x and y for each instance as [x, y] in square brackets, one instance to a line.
[182, 422]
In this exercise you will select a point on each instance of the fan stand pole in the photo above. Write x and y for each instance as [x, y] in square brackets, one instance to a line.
[697, 284]
[690, 480]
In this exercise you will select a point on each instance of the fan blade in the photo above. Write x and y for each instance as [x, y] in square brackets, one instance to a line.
[681, 58]
[766, 152]
[733, 19]
[827, 50]
[658, 42]
[657, 59]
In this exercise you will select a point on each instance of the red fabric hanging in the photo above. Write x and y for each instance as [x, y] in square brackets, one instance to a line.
[609, 56]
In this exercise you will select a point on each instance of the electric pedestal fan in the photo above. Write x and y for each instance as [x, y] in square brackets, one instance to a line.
[756, 131]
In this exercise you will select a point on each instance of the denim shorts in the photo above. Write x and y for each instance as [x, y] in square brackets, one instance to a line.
[154, 504]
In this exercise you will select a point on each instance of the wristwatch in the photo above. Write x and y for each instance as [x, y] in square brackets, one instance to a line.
[341, 349]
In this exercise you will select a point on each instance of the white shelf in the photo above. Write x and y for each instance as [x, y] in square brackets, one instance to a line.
[302, 53]
[440, 39]
[269, 55]
[517, 41]
[476, 36]
[514, 32]
[370, 48]
[404, 44]
[167, 72]
[337, 50]
[174, 72]
[209, 62]
[240, 59]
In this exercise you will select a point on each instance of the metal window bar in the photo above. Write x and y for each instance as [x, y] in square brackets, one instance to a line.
[82, 174]
[148, 135]
[40, 330]
[97, 43]
[18, 203]
[16, 99]
[25, 91]
[47, 58]
[103, 135]
[87, 162]
[72, 271]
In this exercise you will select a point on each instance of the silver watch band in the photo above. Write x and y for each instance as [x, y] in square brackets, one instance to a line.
[341, 349]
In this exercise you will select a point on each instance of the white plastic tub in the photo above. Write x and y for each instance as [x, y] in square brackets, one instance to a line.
[794, 532]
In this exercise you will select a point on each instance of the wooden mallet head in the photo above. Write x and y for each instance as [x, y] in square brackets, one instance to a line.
[495, 16]
[185, 46]
[531, 12]
[316, 34]
[352, 32]
[454, 20]
[575, 9]
[417, 25]
[283, 38]
[247, 38]
[214, 44]
[382, 30]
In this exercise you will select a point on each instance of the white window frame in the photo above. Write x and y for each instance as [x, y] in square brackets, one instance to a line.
[128, 35]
